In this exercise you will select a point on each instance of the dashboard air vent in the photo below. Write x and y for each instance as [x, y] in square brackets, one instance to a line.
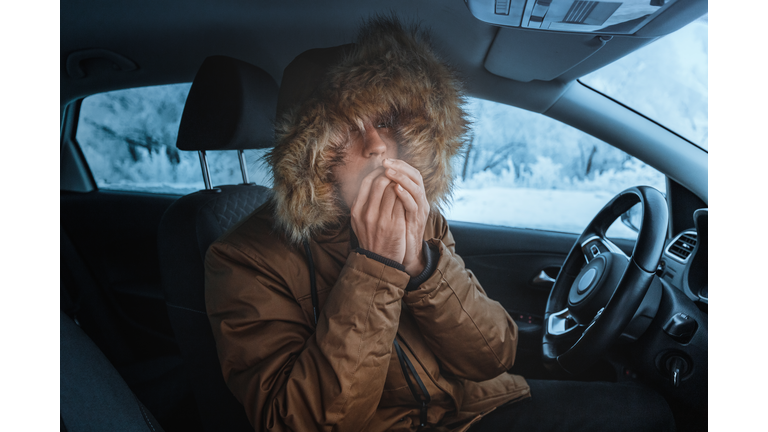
[683, 246]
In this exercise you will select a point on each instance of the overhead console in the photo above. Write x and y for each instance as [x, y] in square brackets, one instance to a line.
[544, 39]
[576, 16]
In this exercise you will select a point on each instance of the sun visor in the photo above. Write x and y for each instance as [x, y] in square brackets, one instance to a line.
[622, 17]
[527, 56]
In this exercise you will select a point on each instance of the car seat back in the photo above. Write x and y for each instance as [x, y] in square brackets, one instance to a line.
[92, 394]
[230, 106]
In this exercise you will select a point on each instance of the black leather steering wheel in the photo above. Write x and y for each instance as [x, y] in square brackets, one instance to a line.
[599, 288]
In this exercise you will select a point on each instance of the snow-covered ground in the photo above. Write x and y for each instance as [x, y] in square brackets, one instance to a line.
[547, 209]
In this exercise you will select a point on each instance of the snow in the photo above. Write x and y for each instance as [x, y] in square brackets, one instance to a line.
[547, 209]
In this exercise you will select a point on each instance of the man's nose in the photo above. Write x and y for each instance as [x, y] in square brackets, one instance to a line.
[374, 144]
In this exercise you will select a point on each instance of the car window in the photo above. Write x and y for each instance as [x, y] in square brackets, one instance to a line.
[665, 80]
[526, 170]
[128, 138]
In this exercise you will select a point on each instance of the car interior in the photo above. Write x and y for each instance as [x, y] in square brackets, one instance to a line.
[134, 331]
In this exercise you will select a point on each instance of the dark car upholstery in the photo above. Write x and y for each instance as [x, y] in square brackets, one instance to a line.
[230, 106]
[93, 395]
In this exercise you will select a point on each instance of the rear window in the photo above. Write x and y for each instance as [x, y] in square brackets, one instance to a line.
[128, 138]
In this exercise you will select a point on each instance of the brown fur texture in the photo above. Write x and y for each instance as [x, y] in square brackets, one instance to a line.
[390, 73]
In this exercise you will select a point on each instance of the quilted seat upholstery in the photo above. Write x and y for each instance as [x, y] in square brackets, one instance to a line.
[187, 229]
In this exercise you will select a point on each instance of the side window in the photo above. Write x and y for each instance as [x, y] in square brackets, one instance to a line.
[526, 170]
[128, 138]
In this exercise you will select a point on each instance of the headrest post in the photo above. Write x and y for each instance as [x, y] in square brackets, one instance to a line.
[243, 168]
[204, 166]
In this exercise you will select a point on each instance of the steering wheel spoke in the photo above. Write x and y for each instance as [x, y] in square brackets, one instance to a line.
[562, 324]
[611, 246]
[596, 245]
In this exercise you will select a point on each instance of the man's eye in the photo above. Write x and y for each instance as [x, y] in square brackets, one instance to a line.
[381, 125]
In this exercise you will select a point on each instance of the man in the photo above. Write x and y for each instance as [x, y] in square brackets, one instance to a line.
[341, 304]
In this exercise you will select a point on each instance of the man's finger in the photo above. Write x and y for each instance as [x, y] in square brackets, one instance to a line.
[404, 167]
[398, 210]
[365, 187]
[410, 205]
[388, 200]
[415, 189]
[373, 211]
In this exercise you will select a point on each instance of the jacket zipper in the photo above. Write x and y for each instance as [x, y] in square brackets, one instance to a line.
[405, 363]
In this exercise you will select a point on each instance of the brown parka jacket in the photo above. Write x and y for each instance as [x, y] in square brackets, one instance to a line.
[343, 374]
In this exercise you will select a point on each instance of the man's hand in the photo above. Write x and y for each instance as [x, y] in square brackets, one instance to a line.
[410, 191]
[378, 217]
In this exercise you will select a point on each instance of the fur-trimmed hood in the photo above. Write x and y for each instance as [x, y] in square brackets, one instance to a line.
[390, 72]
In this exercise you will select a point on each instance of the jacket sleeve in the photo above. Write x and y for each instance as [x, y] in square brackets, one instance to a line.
[288, 375]
[471, 335]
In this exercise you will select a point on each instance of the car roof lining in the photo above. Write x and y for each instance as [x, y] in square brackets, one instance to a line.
[169, 40]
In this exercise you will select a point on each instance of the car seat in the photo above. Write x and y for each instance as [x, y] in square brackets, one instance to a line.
[231, 106]
[92, 394]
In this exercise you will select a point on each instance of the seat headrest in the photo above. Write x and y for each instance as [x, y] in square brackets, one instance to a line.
[230, 106]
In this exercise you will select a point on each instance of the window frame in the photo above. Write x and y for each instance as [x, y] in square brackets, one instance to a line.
[75, 174]
[70, 136]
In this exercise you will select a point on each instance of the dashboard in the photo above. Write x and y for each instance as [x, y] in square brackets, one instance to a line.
[684, 263]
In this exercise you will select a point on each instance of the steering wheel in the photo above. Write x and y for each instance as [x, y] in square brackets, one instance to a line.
[599, 287]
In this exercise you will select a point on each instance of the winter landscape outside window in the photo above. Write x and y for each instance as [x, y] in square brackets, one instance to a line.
[128, 138]
[526, 170]
[665, 80]
[520, 169]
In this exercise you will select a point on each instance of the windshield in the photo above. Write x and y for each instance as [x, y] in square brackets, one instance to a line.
[665, 81]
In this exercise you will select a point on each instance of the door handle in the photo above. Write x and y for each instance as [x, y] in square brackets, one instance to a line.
[543, 279]
[75, 60]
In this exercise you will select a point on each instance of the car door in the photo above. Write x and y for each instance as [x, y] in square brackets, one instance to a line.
[525, 189]
[517, 268]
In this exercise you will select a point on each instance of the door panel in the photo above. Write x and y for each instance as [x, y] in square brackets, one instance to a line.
[116, 233]
[507, 262]
[111, 278]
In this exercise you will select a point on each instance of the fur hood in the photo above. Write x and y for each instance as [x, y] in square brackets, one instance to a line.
[391, 72]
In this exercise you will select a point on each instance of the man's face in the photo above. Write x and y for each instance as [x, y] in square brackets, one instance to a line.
[365, 151]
